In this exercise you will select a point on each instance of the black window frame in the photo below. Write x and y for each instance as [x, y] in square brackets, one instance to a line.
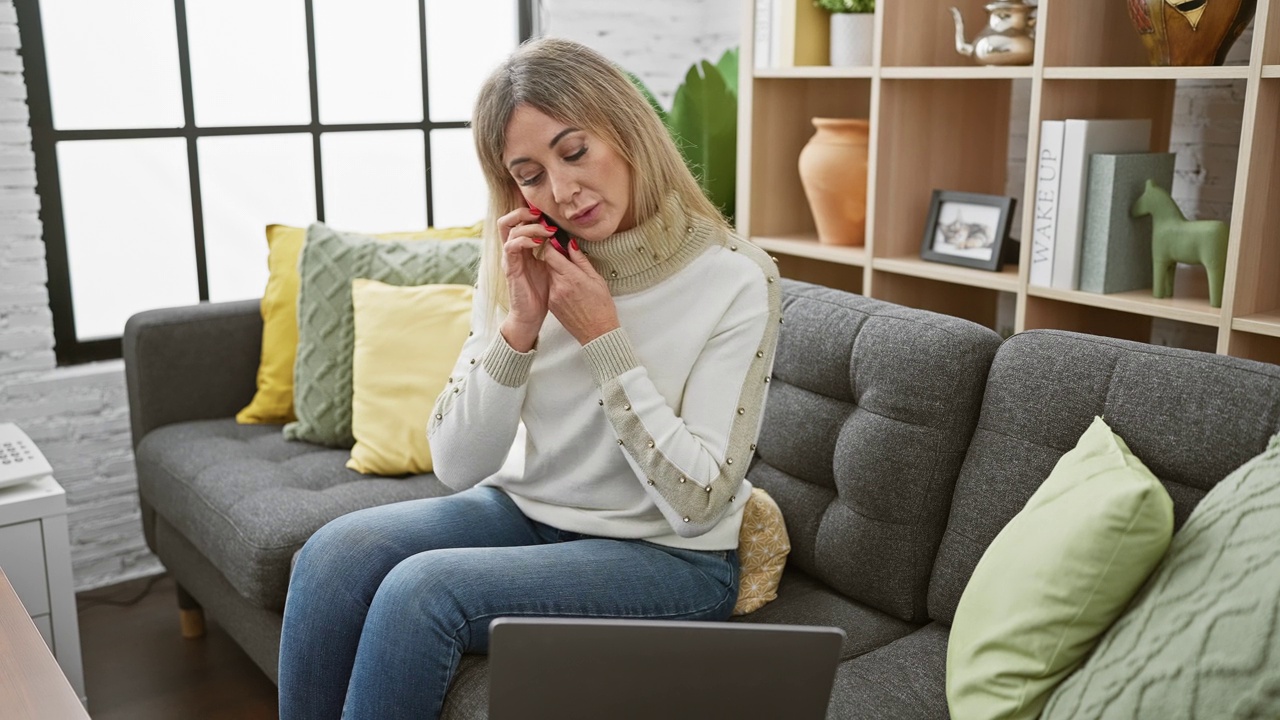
[44, 138]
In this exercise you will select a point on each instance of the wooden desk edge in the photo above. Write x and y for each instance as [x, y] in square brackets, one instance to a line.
[31, 682]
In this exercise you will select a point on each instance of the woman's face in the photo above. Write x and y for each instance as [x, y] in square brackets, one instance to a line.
[570, 174]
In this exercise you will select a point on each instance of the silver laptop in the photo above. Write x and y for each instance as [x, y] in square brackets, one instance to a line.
[588, 669]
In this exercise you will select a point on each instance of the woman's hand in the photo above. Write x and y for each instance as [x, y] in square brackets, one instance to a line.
[528, 279]
[578, 296]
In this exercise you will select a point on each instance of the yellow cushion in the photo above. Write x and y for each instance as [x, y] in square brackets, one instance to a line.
[762, 552]
[273, 402]
[407, 340]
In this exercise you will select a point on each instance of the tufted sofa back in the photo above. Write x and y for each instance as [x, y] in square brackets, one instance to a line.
[869, 416]
[1191, 417]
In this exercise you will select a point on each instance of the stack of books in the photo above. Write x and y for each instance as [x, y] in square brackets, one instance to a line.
[791, 33]
[1088, 174]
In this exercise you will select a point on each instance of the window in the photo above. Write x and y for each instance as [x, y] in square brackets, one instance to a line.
[169, 133]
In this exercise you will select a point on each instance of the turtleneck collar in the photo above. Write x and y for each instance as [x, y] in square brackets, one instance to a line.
[652, 251]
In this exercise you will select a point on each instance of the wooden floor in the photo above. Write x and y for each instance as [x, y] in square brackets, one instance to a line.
[138, 667]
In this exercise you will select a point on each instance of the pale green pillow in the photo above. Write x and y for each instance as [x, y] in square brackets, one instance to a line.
[1202, 639]
[322, 384]
[1055, 578]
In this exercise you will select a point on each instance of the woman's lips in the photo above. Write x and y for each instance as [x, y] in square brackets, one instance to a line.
[587, 216]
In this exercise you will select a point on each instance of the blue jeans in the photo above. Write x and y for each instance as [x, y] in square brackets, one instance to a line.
[383, 602]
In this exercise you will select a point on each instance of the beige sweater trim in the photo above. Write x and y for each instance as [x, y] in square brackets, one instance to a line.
[652, 251]
[701, 506]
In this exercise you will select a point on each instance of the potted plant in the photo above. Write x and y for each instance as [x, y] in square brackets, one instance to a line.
[703, 121]
[852, 30]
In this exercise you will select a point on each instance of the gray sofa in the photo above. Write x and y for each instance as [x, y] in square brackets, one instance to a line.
[897, 443]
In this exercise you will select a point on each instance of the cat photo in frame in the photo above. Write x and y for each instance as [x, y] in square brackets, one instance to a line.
[969, 229]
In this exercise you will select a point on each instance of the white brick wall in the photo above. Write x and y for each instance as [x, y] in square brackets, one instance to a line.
[656, 40]
[79, 415]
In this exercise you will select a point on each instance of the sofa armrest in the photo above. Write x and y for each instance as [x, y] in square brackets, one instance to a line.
[190, 363]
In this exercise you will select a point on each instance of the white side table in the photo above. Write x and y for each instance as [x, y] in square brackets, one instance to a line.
[35, 554]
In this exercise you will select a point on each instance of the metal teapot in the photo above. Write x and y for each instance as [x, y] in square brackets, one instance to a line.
[1008, 39]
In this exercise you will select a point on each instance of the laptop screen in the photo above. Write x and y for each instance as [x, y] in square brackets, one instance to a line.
[569, 668]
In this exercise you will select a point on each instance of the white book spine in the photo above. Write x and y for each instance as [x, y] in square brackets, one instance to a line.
[764, 23]
[782, 32]
[1048, 182]
[1081, 139]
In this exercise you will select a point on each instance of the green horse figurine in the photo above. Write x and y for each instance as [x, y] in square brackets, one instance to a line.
[1174, 239]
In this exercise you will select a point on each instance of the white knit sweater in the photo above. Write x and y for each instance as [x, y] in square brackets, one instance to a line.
[647, 431]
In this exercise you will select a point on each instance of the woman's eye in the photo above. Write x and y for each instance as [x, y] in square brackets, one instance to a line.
[578, 155]
[530, 180]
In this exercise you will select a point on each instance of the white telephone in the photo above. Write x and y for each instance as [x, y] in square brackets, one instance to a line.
[20, 459]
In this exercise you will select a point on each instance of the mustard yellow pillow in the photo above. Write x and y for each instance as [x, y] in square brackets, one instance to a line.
[273, 401]
[762, 552]
[407, 340]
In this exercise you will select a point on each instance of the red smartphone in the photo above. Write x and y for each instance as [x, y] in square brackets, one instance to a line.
[548, 222]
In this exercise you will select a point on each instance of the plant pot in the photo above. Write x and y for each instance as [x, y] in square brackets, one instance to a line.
[1201, 36]
[833, 170]
[852, 35]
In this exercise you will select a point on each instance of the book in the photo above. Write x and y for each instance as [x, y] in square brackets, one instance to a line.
[1081, 139]
[1116, 252]
[763, 33]
[800, 34]
[1048, 182]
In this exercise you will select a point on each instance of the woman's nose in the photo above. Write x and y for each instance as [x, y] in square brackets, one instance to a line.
[564, 187]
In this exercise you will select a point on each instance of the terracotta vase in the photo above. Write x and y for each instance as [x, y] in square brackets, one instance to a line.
[833, 170]
[1178, 32]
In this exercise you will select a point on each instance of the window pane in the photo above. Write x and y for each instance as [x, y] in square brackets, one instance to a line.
[457, 184]
[465, 42]
[112, 64]
[126, 207]
[247, 183]
[249, 62]
[374, 181]
[368, 61]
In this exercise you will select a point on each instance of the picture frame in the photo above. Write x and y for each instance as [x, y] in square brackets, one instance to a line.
[968, 229]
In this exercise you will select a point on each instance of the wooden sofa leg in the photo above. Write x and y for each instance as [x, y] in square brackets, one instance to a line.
[190, 614]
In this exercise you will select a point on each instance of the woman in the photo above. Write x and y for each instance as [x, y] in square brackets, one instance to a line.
[638, 362]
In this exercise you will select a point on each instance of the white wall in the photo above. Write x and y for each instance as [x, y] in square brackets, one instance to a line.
[657, 40]
[79, 415]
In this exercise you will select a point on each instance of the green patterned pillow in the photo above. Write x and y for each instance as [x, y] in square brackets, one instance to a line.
[326, 328]
[1202, 638]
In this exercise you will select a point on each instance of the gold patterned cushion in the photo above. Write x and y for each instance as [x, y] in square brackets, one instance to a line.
[762, 551]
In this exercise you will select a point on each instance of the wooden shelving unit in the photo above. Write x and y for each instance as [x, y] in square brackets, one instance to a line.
[814, 71]
[1267, 323]
[1005, 281]
[809, 247]
[1230, 72]
[955, 73]
[938, 121]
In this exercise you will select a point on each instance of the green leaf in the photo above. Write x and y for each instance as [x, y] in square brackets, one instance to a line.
[728, 67]
[847, 6]
[704, 123]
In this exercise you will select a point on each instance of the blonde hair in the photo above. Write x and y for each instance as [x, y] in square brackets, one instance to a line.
[577, 86]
